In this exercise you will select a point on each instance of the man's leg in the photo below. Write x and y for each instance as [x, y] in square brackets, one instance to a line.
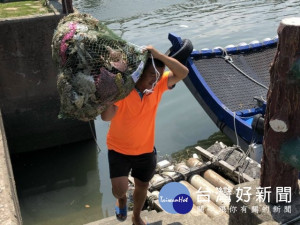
[142, 171]
[139, 198]
[119, 167]
[119, 189]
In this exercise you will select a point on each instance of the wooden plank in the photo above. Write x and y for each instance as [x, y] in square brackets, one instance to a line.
[235, 173]
[225, 167]
[180, 176]
[205, 153]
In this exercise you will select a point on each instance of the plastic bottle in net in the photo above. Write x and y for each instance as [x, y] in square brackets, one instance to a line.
[96, 67]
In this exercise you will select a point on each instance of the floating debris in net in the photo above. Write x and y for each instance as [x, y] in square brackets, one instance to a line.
[96, 67]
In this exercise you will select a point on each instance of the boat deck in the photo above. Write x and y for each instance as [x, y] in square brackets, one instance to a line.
[236, 91]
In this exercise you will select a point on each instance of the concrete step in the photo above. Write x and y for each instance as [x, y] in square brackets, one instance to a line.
[113, 221]
[163, 218]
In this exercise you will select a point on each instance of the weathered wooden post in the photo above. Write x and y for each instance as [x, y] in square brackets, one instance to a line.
[67, 6]
[281, 158]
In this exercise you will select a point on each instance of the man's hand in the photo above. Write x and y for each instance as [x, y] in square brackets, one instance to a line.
[153, 51]
[178, 70]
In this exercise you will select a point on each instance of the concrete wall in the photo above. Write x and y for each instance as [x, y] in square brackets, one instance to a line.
[28, 96]
[9, 204]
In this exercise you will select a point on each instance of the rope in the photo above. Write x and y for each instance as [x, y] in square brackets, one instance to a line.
[168, 176]
[94, 136]
[239, 166]
[241, 162]
[157, 74]
[143, 48]
[152, 198]
[226, 156]
[245, 154]
[230, 61]
[234, 125]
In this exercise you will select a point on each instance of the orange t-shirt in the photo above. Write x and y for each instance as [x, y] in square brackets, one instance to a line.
[132, 128]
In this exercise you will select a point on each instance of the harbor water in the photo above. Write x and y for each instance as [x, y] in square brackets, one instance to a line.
[70, 184]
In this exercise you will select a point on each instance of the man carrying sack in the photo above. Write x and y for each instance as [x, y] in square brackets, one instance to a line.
[130, 139]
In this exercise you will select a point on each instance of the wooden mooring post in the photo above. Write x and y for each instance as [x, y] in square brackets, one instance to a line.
[67, 6]
[281, 157]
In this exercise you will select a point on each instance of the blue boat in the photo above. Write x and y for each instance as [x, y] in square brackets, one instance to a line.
[231, 85]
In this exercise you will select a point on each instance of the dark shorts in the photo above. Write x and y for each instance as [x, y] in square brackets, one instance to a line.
[142, 166]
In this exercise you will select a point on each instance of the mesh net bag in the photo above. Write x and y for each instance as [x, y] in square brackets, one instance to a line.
[96, 67]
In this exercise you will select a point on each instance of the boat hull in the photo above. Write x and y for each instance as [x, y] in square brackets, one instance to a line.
[232, 92]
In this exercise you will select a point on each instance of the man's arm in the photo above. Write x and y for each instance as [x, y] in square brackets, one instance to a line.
[177, 70]
[109, 113]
